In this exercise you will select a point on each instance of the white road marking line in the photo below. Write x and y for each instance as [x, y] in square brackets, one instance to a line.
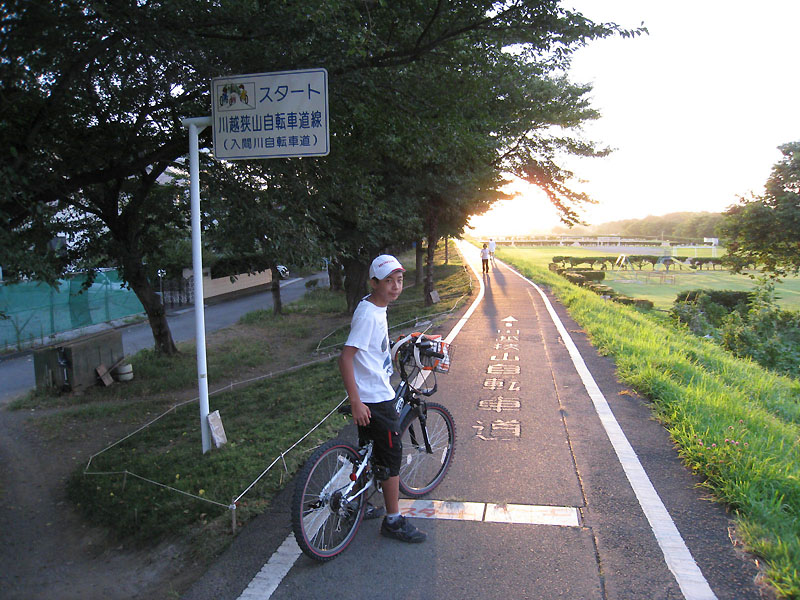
[518, 514]
[437, 509]
[562, 516]
[272, 573]
[481, 291]
[676, 554]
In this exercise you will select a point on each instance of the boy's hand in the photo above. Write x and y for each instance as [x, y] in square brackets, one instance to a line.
[361, 413]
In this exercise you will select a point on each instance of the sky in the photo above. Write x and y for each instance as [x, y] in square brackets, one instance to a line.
[694, 111]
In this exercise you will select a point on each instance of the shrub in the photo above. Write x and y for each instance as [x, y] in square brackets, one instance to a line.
[593, 275]
[765, 333]
[603, 290]
[576, 278]
[730, 299]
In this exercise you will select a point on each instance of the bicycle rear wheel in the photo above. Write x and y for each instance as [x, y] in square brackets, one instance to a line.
[420, 472]
[324, 524]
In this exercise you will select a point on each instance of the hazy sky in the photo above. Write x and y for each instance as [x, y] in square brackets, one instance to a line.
[695, 110]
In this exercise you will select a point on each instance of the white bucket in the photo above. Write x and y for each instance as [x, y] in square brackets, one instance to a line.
[124, 372]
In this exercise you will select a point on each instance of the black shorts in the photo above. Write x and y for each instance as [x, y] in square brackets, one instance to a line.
[388, 449]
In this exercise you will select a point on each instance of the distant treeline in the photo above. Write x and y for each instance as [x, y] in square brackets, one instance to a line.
[675, 226]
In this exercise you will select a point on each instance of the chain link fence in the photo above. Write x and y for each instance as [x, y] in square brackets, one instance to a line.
[31, 312]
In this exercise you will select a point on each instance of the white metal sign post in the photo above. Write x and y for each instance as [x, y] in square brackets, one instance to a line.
[262, 115]
[195, 126]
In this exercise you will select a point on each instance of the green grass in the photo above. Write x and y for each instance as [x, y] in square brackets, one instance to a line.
[643, 284]
[734, 423]
[259, 420]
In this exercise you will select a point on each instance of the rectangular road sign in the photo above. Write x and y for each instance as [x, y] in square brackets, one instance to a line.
[271, 115]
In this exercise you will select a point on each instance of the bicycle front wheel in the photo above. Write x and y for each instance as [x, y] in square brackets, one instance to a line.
[420, 472]
[324, 522]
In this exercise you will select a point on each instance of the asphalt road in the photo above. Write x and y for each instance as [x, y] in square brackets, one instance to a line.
[529, 433]
[16, 372]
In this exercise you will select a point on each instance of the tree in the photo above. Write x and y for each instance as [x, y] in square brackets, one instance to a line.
[765, 230]
[444, 127]
[91, 105]
[261, 217]
[93, 94]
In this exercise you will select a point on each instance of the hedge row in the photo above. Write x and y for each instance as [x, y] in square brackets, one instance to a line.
[637, 260]
[581, 276]
[590, 279]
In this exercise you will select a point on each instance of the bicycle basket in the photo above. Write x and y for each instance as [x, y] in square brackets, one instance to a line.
[434, 363]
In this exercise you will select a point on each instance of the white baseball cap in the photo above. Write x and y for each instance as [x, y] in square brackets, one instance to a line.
[383, 266]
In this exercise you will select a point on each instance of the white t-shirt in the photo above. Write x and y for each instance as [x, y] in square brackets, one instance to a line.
[485, 253]
[492, 246]
[372, 364]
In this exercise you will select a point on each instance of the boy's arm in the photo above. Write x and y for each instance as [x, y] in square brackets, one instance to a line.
[361, 412]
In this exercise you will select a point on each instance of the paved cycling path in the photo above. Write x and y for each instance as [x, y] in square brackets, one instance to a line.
[563, 486]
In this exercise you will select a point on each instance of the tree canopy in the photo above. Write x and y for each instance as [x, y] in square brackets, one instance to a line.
[430, 103]
[765, 230]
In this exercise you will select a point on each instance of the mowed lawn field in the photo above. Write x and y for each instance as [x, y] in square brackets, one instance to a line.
[662, 291]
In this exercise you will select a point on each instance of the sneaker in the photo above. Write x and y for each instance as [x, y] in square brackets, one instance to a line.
[403, 530]
[373, 512]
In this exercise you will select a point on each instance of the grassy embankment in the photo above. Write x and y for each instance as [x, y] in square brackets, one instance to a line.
[735, 423]
[261, 419]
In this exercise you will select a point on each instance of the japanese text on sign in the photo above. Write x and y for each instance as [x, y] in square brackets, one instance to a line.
[270, 115]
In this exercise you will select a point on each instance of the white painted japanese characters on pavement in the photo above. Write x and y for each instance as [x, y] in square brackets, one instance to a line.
[502, 372]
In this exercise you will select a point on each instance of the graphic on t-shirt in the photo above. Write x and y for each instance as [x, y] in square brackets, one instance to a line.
[387, 362]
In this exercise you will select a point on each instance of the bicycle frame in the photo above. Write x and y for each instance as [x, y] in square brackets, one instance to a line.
[411, 401]
[356, 475]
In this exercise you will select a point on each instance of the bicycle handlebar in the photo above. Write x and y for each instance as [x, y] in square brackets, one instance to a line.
[428, 352]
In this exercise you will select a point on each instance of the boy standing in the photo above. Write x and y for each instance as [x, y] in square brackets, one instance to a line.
[366, 368]
[485, 259]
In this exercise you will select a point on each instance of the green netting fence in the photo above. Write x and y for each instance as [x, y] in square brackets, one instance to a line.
[35, 311]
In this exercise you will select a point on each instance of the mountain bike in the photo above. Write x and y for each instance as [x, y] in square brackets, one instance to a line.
[333, 487]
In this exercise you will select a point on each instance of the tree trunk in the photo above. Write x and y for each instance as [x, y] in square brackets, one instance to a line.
[429, 271]
[433, 237]
[355, 282]
[277, 305]
[335, 276]
[419, 256]
[152, 303]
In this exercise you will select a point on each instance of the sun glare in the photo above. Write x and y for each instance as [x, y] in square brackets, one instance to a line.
[528, 212]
